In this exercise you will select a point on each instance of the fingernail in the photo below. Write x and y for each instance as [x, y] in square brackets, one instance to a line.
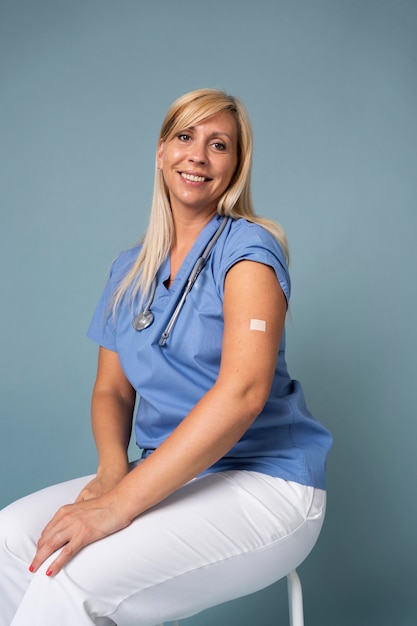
[31, 568]
[49, 572]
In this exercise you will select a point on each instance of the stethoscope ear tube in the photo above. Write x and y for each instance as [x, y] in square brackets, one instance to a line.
[145, 319]
[171, 323]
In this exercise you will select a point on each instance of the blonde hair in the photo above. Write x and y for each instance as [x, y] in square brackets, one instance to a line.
[236, 202]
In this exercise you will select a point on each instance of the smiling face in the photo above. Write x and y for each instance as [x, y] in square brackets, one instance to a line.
[198, 163]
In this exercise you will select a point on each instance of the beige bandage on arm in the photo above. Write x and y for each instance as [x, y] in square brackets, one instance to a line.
[257, 325]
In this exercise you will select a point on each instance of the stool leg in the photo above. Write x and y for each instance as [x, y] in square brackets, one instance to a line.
[295, 599]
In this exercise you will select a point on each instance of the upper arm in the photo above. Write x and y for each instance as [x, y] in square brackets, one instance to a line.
[111, 377]
[254, 314]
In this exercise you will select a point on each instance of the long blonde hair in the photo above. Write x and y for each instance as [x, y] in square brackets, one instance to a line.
[190, 110]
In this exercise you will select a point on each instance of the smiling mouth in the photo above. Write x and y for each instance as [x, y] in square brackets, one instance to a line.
[194, 178]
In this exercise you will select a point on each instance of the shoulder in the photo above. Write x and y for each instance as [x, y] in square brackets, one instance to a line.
[246, 240]
[123, 262]
[246, 234]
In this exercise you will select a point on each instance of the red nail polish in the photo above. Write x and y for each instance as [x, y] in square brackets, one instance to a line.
[31, 568]
[49, 572]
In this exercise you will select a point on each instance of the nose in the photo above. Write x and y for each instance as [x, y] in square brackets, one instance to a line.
[198, 152]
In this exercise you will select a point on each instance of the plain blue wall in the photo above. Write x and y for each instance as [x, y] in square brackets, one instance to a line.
[331, 89]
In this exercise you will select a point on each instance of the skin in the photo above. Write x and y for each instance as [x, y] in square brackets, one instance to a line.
[115, 497]
[208, 150]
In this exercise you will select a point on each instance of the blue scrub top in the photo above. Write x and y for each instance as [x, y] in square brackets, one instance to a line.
[285, 440]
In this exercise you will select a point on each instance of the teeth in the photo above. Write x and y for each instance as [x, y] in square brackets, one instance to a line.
[194, 179]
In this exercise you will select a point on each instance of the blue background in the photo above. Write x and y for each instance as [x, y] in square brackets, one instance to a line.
[331, 89]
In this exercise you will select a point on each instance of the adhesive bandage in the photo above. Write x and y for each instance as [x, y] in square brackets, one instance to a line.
[258, 325]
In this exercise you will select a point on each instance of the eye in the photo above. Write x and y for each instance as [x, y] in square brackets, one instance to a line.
[184, 137]
[218, 145]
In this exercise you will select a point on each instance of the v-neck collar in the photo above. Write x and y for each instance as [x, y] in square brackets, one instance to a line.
[190, 259]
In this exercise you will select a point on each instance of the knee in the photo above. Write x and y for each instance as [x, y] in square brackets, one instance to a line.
[17, 535]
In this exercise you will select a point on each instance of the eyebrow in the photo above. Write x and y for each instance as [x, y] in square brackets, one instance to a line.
[216, 133]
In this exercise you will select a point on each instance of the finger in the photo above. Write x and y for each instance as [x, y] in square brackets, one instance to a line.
[47, 545]
[55, 535]
[67, 553]
[78, 538]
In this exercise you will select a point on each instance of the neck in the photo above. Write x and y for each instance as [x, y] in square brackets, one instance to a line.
[186, 230]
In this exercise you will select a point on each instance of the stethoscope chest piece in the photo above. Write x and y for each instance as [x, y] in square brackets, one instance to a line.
[143, 320]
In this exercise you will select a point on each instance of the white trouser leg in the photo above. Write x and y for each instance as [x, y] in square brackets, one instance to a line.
[21, 524]
[220, 537]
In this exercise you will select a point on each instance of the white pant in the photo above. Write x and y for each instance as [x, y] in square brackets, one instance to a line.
[220, 537]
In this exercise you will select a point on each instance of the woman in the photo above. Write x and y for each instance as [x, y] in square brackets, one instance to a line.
[229, 494]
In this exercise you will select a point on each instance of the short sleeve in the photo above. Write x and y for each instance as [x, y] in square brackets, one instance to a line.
[102, 327]
[252, 242]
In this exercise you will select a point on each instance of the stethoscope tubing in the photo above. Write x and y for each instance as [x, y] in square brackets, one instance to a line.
[144, 320]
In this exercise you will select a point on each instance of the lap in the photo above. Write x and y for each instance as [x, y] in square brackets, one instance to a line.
[29, 515]
[219, 525]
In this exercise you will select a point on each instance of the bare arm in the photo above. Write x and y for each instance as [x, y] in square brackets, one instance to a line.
[225, 413]
[112, 404]
[214, 425]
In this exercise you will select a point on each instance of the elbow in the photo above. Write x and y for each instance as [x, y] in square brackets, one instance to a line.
[241, 396]
[255, 401]
[251, 399]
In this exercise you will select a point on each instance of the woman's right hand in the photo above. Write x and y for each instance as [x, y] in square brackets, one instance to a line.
[104, 481]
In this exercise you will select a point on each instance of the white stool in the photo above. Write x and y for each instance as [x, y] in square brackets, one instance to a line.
[295, 601]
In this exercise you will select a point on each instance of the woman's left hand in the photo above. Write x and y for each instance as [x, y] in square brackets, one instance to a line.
[74, 526]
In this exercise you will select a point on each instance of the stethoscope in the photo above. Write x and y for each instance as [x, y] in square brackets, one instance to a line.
[144, 320]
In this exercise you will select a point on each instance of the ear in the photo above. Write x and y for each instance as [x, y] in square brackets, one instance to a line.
[160, 154]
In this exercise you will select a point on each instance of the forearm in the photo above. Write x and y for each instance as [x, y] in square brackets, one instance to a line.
[227, 410]
[111, 417]
[215, 424]
[190, 448]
